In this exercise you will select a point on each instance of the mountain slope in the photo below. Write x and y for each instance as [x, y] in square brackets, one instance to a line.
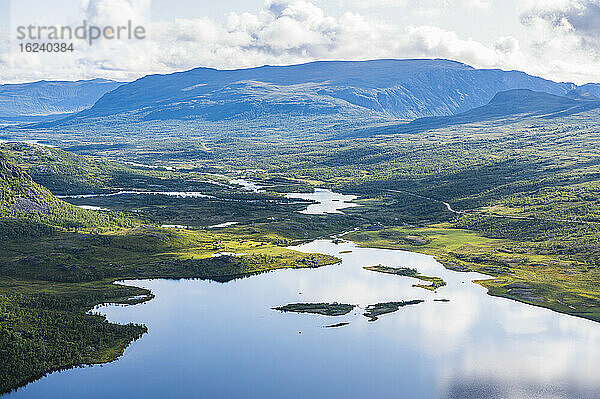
[591, 88]
[19, 194]
[27, 100]
[404, 89]
[519, 103]
[29, 209]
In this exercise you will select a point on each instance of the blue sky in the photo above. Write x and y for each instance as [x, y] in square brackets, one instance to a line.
[556, 39]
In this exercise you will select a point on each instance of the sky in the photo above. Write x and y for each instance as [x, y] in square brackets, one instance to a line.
[555, 39]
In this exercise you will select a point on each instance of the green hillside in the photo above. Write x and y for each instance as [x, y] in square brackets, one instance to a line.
[29, 209]
[38, 317]
[67, 173]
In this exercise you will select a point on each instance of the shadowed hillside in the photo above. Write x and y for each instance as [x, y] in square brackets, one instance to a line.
[505, 105]
[29, 102]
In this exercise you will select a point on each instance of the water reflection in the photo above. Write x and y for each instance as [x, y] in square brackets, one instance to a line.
[208, 339]
[182, 194]
[327, 201]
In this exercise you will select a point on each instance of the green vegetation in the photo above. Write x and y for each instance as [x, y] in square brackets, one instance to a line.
[58, 261]
[436, 282]
[67, 173]
[517, 200]
[325, 309]
[44, 327]
[374, 311]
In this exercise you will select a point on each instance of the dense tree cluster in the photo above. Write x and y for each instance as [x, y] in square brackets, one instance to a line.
[40, 333]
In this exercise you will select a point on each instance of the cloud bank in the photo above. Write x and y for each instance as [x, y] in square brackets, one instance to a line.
[295, 31]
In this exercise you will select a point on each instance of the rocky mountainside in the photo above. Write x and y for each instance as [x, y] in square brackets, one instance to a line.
[591, 88]
[21, 195]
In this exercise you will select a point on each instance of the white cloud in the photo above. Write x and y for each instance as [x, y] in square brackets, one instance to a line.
[507, 45]
[576, 16]
[430, 41]
[294, 31]
[479, 4]
[568, 26]
[115, 12]
[565, 34]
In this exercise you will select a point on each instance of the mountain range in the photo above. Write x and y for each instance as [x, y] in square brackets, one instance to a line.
[403, 89]
[396, 90]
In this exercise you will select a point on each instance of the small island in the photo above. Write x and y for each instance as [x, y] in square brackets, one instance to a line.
[374, 311]
[325, 309]
[337, 325]
[435, 282]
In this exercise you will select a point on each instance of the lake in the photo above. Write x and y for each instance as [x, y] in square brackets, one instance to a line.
[327, 201]
[223, 340]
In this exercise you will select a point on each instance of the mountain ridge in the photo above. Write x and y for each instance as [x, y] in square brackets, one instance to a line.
[44, 98]
[396, 89]
[505, 105]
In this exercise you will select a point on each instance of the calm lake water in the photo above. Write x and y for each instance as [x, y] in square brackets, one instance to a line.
[327, 201]
[215, 340]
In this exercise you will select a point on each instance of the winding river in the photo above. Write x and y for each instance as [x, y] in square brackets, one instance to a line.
[223, 340]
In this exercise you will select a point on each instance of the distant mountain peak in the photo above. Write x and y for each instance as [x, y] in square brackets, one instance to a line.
[44, 98]
[581, 93]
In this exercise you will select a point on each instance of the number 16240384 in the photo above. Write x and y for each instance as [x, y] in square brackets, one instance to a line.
[46, 47]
